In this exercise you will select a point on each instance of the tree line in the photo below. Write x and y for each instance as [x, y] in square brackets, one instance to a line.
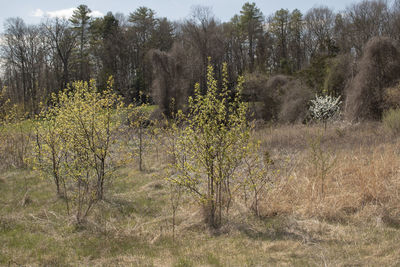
[156, 60]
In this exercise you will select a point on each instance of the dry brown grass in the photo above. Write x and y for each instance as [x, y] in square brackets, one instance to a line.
[362, 185]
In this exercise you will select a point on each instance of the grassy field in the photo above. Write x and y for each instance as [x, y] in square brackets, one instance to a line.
[356, 222]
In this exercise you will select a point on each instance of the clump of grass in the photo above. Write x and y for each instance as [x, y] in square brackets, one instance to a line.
[391, 120]
[183, 262]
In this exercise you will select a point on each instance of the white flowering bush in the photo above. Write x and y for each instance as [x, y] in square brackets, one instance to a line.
[325, 107]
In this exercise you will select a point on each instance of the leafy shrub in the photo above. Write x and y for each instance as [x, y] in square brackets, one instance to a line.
[212, 145]
[74, 143]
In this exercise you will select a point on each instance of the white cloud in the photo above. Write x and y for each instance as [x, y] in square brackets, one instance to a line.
[62, 13]
[38, 13]
[96, 14]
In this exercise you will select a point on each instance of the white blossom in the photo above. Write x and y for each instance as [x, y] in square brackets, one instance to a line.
[324, 108]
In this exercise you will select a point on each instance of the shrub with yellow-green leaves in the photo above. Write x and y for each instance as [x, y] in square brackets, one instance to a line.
[15, 134]
[50, 149]
[212, 146]
[142, 131]
[75, 139]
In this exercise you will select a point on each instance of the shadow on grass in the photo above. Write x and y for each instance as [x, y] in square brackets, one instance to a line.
[274, 229]
[142, 204]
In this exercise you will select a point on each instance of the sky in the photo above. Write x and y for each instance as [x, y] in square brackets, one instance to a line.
[34, 11]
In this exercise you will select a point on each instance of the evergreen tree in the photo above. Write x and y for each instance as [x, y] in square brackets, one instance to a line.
[251, 22]
[81, 21]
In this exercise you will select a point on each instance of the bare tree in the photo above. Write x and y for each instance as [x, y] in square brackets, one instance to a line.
[366, 20]
[61, 39]
[203, 39]
[319, 22]
[24, 55]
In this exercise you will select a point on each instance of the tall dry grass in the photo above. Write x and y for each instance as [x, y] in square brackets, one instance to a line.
[362, 185]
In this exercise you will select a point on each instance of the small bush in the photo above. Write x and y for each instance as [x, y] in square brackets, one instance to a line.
[324, 108]
[211, 147]
[391, 120]
[75, 140]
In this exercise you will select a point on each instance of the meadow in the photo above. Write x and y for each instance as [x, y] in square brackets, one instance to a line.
[355, 223]
[262, 140]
